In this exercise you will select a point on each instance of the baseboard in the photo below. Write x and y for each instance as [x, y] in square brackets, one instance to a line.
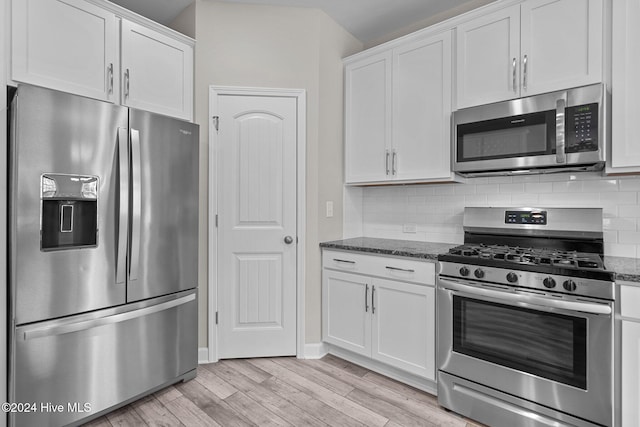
[314, 351]
[203, 355]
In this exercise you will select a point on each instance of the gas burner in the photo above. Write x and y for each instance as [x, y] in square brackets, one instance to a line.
[523, 255]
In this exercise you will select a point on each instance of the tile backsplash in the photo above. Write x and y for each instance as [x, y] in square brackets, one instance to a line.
[433, 212]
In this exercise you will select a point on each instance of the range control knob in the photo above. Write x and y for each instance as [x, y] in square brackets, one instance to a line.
[479, 273]
[569, 285]
[464, 271]
[549, 282]
[512, 277]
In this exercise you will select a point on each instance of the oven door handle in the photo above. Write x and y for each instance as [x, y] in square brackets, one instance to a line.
[528, 300]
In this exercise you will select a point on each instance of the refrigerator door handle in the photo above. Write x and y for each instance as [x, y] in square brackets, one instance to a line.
[73, 326]
[136, 205]
[123, 165]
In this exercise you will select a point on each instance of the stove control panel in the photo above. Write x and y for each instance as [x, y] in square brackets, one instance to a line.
[525, 217]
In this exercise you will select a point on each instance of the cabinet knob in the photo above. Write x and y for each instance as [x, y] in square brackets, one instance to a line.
[288, 240]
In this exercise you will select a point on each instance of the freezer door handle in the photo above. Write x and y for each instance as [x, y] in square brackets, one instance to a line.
[123, 165]
[136, 205]
[73, 326]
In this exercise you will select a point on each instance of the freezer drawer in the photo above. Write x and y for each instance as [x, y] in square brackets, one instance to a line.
[75, 367]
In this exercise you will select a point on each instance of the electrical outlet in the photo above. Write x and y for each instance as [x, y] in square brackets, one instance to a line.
[329, 209]
[409, 228]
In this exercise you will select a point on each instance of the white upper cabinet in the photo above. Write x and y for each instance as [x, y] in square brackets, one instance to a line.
[421, 109]
[157, 72]
[625, 150]
[398, 106]
[487, 51]
[75, 46]
[561, 44]
[68, 45]
[536, 47]
[368, 115]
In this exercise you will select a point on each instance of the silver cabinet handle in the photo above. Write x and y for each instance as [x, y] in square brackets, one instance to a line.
[123, 201]
[366, 298]
[386, 161]
[126, 83]
[560, 132]
[394, 163]
[408, 270]
[524, 72]
[515, 89]
[288, 240]
[107, 320]
[373, 301]
[110, 77]
[344, 260]
[136, 205]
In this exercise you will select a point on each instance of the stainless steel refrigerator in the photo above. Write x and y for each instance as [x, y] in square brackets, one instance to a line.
[103, 236]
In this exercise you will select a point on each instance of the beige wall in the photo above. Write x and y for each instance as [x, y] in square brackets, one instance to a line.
[279, 47]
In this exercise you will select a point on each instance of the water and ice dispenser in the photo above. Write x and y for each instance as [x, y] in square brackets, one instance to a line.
[69, 215]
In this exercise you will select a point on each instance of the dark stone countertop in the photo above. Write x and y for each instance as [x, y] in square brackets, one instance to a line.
[626, 269]
[405, 248]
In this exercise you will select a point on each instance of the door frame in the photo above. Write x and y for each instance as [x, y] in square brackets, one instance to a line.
[300, 96]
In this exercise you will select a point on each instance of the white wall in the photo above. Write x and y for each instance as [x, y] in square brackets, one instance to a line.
[281, 47]
[437, 209]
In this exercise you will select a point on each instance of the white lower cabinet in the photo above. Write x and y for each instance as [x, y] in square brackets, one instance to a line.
[630, 355]
[387, 319]
[630, 373]
[403, 326]
[346, 311]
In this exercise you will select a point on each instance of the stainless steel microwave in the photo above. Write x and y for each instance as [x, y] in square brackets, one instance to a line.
[552, 132]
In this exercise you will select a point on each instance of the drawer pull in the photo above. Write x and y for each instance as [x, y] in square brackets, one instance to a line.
[344, 260]
[408, 270]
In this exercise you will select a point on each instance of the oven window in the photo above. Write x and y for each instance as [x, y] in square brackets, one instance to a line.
[548, 345]
[516, 136]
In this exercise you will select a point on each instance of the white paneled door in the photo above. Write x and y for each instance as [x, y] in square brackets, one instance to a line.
[257, 140]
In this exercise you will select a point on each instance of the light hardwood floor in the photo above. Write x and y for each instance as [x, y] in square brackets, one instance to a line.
[285, 391]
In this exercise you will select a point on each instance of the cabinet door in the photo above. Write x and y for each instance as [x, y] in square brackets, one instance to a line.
[367, 119]
[68, 45]
[561, 44]
[157, 72]
[488, 48]
[403, 326]
[346, 305]
[625, 85]
[630, 373]
[422, 108]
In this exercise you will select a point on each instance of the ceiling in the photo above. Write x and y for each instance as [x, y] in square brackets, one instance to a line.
[366, 20]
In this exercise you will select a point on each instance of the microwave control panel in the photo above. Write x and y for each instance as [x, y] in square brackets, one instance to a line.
[581, 128]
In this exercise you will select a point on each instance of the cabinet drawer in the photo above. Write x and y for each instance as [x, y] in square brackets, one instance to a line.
[630, 301]
[404, 269]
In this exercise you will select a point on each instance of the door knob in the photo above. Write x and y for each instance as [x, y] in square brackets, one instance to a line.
[288, 240]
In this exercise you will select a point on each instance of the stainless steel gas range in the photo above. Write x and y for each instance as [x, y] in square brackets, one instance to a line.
[526, 318]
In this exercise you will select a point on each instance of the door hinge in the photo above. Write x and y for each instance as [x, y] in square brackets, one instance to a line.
[216, 317]
[216, 122]
[216, 220]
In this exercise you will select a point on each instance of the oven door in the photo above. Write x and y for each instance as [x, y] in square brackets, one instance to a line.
[554, 352]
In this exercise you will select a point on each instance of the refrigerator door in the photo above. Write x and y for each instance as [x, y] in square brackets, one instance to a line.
[79, 366]
[163, 242]
[65, 193]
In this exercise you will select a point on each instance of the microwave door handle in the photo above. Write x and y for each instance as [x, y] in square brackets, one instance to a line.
[561, 104]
